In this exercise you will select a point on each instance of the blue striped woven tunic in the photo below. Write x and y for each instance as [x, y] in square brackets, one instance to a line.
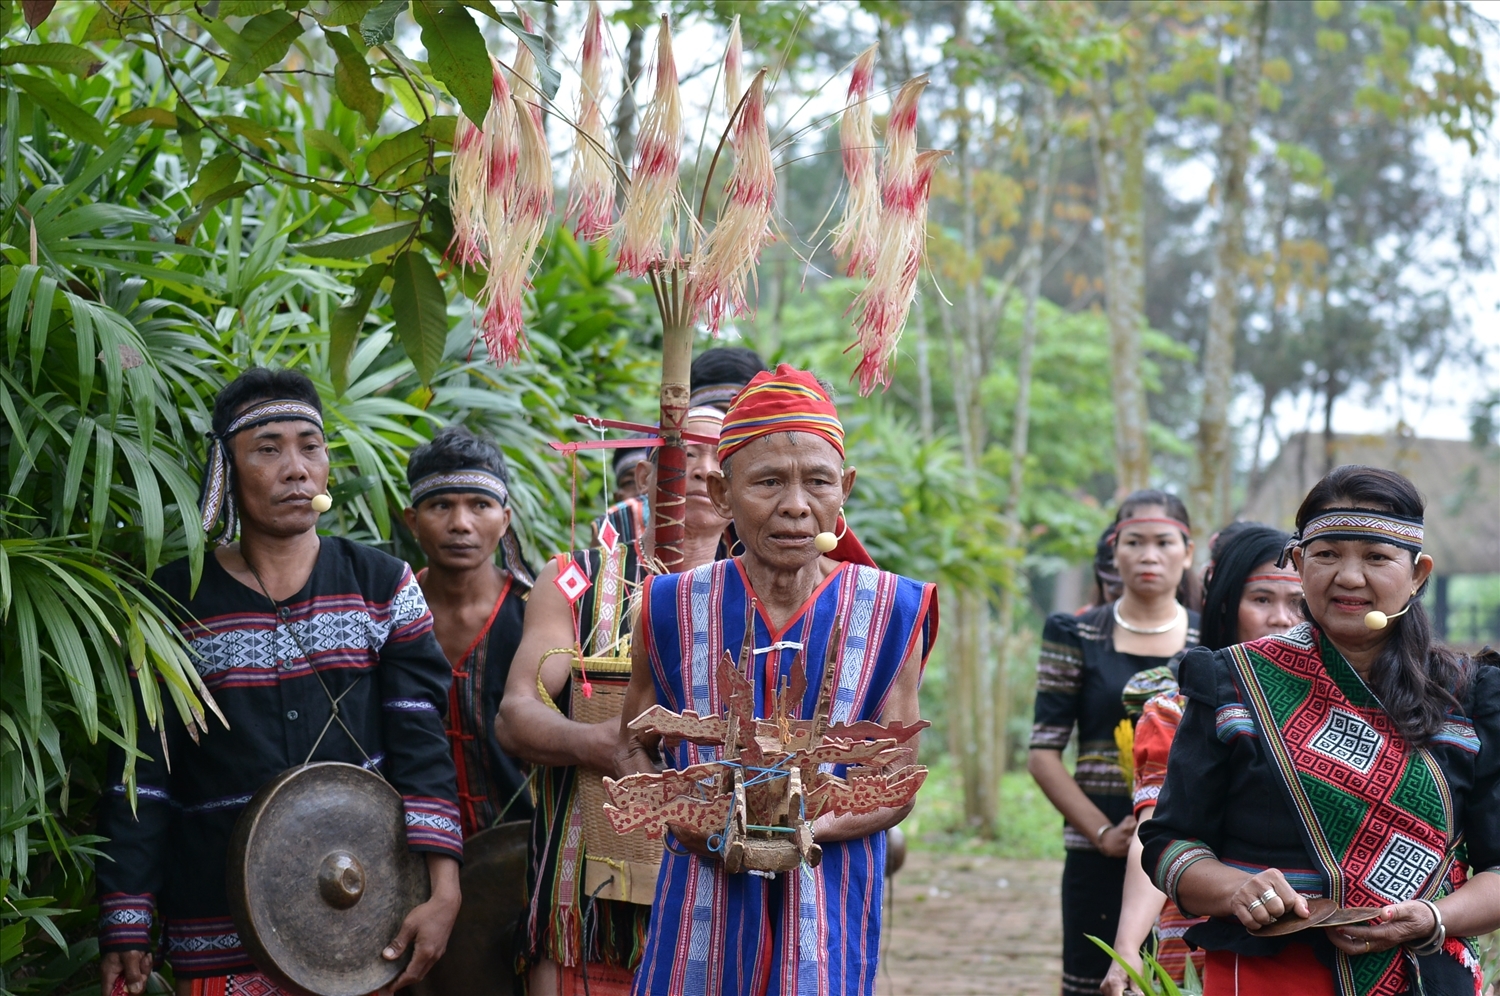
[811, 932]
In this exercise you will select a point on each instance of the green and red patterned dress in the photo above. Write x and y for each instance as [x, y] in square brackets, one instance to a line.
[1285, 759]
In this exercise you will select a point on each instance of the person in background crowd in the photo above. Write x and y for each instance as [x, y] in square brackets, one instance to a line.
[1353, 758]
[1247, 597]
[282, 624]
[716, 376]
[1107, 586]
[533, 723]
[1085, 663]
[460, 515]
[627, 479]
[719, 374]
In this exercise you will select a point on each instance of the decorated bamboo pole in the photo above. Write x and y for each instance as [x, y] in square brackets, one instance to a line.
[647, 239]
[502, 198]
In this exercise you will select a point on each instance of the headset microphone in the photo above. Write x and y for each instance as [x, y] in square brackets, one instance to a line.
[1379, 620]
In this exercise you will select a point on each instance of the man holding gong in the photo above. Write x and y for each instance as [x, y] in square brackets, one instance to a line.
[282, 625]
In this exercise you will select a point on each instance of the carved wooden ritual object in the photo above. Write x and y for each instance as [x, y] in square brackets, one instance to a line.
[773, 778]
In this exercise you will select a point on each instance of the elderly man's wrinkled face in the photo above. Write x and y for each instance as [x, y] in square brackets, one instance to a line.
[782, 490]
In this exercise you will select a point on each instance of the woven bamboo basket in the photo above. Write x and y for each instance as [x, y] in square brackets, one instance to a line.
[632, 860]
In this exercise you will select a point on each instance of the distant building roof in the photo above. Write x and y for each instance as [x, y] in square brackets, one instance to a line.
[1460, 481]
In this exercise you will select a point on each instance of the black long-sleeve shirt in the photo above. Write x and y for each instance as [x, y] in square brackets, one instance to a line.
[364, 623]
[1223, 798]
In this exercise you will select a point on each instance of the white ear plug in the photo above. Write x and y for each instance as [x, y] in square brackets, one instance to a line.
[322, 503]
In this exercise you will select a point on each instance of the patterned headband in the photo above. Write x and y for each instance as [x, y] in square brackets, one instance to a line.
[1358, 524]
[478, 482]
[469, 481]
[789, 400]
[717, 396]
[216, 499]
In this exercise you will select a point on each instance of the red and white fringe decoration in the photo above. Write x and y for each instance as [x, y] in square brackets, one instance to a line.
[855, 238]
[729, 254]
[501, 295]
[591, 187]
[905, 188]
[466, 186]
[734, 65]
[651, 203]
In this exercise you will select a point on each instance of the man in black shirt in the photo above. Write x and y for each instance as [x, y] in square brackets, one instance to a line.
[460, 515]
[272, 615]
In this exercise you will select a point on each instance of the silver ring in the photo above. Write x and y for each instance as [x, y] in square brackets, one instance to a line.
[1268, 895]
[1258, 902]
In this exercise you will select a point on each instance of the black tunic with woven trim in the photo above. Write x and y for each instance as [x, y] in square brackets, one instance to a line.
[362, 619]
[1223, 789]
[1080, 681]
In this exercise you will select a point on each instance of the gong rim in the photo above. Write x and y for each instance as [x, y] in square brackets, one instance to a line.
[320, 879]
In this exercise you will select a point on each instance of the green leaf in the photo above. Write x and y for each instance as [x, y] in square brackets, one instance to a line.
[73, 59]
[219, 173]
[347, 321]
[378, 26]
[396, 152]
[156, 117]
[68, 117]
[456, 53]
[190, 225]
[342, 12]
[264, 41]
[550, 78]
[351, 79]
[421, 310]
[337, 245]
[328, 142]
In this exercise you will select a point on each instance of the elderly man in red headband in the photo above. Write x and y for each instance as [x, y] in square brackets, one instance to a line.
[802, 581]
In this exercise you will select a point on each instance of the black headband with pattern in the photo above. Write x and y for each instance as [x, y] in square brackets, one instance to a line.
[216, 499]
[476, 481]
[1365, 524]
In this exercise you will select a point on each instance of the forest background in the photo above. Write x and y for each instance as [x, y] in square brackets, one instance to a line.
[191, 188]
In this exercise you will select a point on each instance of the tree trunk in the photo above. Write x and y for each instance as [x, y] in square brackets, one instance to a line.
[1209, 491]
[625, 111]
[924, 372]
[1119, 145]
[1031, 267]
[975, 663]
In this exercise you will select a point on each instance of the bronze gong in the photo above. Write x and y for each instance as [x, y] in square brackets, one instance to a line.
[320, 879]
[481, 955]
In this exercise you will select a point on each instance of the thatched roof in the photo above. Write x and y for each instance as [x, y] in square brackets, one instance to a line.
[1460, 481]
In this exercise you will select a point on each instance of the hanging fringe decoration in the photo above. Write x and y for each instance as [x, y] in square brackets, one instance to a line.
[855, 238]
[591, 188]
[734, 62]
[501, 296]
[652, 200]
[466, 189]
[729, 254]
[906, 185]
[523, 68]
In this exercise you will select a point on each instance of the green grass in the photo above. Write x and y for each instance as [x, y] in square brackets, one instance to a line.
[1029, 827]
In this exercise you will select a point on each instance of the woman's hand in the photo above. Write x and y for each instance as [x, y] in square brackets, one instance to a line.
[1265, 897]
[1401, 923]
[1115, 842]
[1116, 982]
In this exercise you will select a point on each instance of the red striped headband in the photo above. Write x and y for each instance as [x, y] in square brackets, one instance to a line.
[1160, 520]
[789, 400]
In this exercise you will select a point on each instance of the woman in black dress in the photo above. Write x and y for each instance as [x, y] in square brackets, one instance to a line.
[1085, 663]
[1352, 759]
